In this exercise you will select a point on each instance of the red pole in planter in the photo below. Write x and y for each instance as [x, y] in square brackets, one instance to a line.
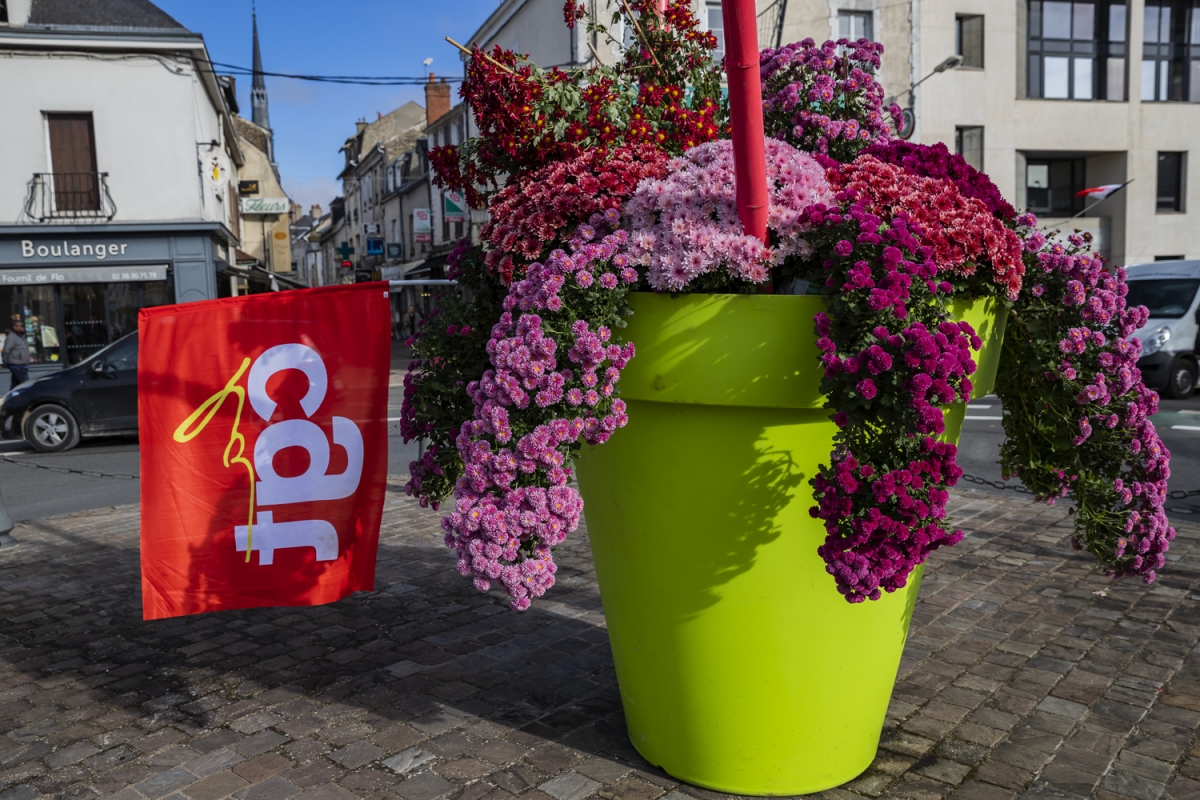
[746, 114]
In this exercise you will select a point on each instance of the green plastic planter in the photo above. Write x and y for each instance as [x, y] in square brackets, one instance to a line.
[740, 666]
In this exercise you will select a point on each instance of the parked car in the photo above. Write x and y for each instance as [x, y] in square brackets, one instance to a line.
[97, 397]
[1171, 291]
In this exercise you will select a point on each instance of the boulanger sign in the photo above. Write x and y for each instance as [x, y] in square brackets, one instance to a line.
[25, 277]
[37, 252]
[98, 251]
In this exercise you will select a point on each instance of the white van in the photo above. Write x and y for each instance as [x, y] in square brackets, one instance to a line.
[1169, 337]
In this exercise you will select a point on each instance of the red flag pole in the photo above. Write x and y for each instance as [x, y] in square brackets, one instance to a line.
[746, 114]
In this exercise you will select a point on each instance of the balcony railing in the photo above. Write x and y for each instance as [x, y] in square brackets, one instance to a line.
[69, 196]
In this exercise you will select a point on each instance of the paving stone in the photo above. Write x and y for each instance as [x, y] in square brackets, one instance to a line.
[570, 786]
[353, 756]
[165, 783]
[271, 789]
[22, 792]
[330, 791]
[424, 786]
[1131, 785]
[1063, 708]
[603, 770]
[217, 785]
[408, 760]
[945, 771]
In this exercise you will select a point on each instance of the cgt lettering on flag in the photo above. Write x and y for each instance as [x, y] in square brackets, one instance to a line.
[266, 488]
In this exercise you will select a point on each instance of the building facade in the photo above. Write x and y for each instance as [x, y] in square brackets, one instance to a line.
[365, 186]
[1056, 97]
[263, 208]
[115, 188]
[1050, 98]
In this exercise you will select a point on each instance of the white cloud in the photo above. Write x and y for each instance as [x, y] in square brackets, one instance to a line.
[312, 190]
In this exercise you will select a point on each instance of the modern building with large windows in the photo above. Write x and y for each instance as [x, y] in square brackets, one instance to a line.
[1050, 98]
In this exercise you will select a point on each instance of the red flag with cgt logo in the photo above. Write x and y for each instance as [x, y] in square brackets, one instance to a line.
[263, 424]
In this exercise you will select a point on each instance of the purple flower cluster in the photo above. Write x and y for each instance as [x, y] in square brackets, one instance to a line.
[547, 388]
[686, 225]
[936, 161]
[825, 99]
[1104, 404]
[876, 548]
[892, 361]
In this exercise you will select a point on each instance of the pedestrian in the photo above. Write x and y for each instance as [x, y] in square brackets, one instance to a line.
[412, 321]
[15, 354]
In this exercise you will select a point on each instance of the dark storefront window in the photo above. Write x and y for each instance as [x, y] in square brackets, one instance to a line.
[66, 323]
[1076, 50]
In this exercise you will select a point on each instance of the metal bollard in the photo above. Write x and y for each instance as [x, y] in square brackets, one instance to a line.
[6, 526]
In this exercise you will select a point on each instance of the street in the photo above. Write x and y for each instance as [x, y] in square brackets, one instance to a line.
[1178, 423]
[32, 493]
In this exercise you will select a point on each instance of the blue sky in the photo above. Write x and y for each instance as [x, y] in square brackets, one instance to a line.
[351, 37]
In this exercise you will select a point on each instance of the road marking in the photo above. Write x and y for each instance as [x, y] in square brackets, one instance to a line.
[1187, 411]
[980, 406]
[397, 419]
[969, 416]
[1185, 427]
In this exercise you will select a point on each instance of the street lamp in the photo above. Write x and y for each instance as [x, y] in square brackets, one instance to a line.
[427, 62]
[909, 121]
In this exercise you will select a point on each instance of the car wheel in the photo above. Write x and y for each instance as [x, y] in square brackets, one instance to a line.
[1182, 380]
[51, 429]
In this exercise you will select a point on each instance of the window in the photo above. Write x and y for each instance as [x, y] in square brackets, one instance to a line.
[1076, 50]
[854, 25]
[3, 11]
[716, 25]
[1170, 182]
[968, 143]
[73, 162]
[1168, 258]
[1051, 185]
[968, 40]
[1171, 51]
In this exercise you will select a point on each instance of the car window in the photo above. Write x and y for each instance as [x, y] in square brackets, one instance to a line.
[1165, 298]
[123, 355]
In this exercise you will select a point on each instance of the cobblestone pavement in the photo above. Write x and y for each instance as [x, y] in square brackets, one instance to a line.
[1026, 674]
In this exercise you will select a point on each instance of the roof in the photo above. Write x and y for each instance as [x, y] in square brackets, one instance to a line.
[1164, 269]
[101, 14]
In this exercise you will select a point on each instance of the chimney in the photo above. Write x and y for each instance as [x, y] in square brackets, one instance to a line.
[315, 211]
[437, 99]
[360, 126]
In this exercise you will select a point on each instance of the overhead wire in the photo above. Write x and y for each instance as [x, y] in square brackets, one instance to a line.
[358, 80]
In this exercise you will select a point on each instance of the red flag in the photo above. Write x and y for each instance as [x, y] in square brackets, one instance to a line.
[1100, 192]
[263, 425]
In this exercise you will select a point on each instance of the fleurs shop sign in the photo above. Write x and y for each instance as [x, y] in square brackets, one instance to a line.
[265, 205]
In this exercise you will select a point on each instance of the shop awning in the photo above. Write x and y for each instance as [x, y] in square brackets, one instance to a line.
[259, 276]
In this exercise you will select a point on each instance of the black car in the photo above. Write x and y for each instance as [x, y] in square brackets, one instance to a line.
[97, 397]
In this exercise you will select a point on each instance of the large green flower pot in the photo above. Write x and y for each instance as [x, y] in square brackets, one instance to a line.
[741, 668]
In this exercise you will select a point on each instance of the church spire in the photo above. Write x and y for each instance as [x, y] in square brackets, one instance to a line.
[258, 91]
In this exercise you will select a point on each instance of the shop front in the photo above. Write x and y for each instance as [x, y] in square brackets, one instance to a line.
[80, 291]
